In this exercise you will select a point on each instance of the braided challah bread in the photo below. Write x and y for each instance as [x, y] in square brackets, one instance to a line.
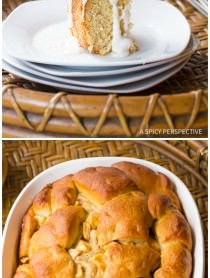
[123, 221]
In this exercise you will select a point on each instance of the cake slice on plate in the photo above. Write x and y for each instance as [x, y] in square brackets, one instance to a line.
[102, 26]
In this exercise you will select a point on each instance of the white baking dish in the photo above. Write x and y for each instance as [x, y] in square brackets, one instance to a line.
[24, 200]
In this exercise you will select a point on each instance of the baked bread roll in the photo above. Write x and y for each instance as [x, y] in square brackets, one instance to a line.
[102, 26]
[104, 222]
[29, 226]
[133, 260]
[24, 271]
[149, 181]
[63, 193]
[52, 262]
[174, 236]
[62, 228]
[60, 194]
[117, 223]
[101, 184]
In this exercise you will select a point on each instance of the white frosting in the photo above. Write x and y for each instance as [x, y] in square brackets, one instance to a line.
[83, 8]
[126, 18]
[120, 44]
[69, 11]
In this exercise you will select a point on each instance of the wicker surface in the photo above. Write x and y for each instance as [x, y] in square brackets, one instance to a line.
[187, 159]
[33, 110]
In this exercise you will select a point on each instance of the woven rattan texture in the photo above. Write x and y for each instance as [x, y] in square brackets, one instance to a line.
[33, 110]
[187, 159]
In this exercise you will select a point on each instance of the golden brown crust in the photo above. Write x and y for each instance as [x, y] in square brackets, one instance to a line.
[62, 228]
[60, 194]
[79, 29]
[52, 262]
[159, 204]
[63, 193]
[42, 205]
[126, 217]
[109, 228]
[174, 236]
[123, 261]
[143, 177]
[173, 227]
[101, 184]
[171, 224]
[149, 181]
[176, 261]
[165, 187]
[24, 271]
[29, 226]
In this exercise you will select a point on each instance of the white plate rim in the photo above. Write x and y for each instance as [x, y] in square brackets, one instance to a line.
[109, 82]
[124, 89]
[105, 161]
[115, 71]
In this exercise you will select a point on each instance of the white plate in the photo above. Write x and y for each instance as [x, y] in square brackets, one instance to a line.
[124, 89]
[24, 200]
[200, 5]
[160, 29]
[96, 82]
[65, 71]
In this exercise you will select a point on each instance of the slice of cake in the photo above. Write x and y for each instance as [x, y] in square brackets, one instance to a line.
[102, 26]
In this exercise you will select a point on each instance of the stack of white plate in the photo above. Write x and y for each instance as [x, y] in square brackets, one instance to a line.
[36, 47]
[200, 5]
